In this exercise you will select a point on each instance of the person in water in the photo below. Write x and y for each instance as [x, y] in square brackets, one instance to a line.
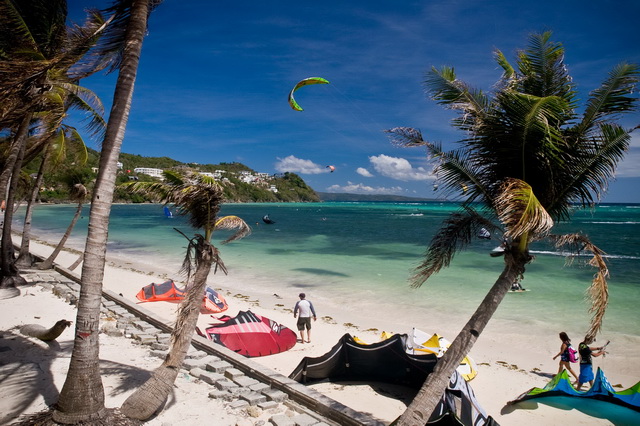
[304, 320]
[565, 362]
[586, 364]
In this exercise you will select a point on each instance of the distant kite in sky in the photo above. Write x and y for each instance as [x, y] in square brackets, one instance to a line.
[331, 168]
[305, 82]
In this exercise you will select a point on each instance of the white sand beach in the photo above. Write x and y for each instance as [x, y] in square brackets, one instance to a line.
[511, 359]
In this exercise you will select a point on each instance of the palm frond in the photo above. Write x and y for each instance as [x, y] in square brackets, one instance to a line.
[598, 291]
[509, 72]
[543, 70]
[406, 137]
[456, 232]
[613, 97]
[200, 249]
[13, 23]
[233, 222]
[446, 89]
[593, 165]
[520, 211]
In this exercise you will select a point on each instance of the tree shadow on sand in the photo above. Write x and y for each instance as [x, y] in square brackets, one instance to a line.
[26, 374]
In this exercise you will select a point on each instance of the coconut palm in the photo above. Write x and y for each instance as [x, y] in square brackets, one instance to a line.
[78, 193]
[37, 52]
[55, 153]
[526, 158]
[82, 395]
[199, 197]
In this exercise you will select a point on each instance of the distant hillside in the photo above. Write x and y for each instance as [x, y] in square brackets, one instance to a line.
[331, 196]
[241, 183]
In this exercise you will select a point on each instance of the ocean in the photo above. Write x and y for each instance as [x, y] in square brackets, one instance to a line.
[339, 252]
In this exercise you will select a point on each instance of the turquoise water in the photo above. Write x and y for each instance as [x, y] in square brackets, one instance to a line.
[341, 252]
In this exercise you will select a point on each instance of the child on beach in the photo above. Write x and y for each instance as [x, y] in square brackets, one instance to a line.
[564, 355]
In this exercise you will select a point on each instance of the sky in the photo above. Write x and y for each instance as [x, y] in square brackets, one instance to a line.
[214, 78]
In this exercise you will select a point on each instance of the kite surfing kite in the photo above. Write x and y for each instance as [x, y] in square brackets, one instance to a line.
[602, 390]
[305, 82]
[168, 291]
[251, 335]
[387, 361]
[331, 169]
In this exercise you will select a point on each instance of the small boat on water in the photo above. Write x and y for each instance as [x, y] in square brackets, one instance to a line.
[168, 213]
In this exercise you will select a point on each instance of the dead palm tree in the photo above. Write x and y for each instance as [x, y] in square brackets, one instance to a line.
[527, 157]
[199, 197]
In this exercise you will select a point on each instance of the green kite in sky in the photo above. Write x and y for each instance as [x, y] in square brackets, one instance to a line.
[305, 82]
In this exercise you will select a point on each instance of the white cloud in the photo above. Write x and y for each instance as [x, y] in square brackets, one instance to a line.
[363, 172]
[628, 167]
[298, 165]
[399, 168]
[358, 188]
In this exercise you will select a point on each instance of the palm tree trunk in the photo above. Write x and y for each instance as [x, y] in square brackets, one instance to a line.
[48, 262]
[82, 395]
[9, 277]
[20, 139]
[152, 395]
[75, 264]
[430, 394]
[25, 259]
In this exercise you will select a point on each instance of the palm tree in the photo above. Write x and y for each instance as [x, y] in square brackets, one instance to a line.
[54, 152]
[199, 197]
[79, 193]
[527, 157]
[37, 52]
[82, 395]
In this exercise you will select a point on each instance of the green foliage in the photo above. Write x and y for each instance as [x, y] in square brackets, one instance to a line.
[290, 187]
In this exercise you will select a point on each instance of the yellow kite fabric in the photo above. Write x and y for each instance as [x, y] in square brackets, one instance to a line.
[305, 82]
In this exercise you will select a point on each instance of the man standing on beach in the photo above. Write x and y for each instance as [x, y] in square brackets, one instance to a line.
[304, 320]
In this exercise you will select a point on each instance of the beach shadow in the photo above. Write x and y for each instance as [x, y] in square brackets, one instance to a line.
[318, 271]
[616, 414]
[25, 373]
[542, 374]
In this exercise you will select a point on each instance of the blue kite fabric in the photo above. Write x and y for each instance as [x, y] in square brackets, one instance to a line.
[602, 390]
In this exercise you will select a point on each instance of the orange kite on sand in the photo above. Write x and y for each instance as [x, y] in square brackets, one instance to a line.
[168, 291]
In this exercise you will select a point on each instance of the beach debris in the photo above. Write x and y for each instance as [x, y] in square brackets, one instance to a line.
[43, 333]
[311, 80]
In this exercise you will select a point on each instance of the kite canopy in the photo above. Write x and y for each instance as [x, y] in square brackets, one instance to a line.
[388, 362]
[165, 292]
[213, 302]
[168, 291]
[421, 342]
[561, 385]
[305, 82]
[252, 335]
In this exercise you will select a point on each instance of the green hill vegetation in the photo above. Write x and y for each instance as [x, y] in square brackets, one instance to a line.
[241, 183]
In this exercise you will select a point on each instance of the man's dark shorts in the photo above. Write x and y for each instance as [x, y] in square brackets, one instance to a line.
[304, 323]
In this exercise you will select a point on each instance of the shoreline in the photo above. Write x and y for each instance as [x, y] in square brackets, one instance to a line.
[508, 363]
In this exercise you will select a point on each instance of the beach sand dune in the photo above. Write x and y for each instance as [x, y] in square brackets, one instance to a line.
[511, 360]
